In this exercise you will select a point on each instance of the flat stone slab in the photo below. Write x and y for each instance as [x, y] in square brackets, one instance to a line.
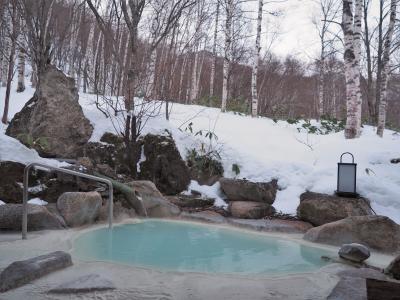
[84, 284]
[274, 225]
[22, 272]
[353, 288]
[205, 216]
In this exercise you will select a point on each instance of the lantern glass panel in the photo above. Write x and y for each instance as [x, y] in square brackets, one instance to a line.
[347, 177]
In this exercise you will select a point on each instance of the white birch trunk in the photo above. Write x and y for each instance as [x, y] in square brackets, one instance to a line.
[183, 68]
[94, 88]
[352, 43]
[21, 65]
[89, 55]
[358, 16]
[385, 69]
[151, 69]
[194, 87]
[214, 62]
[321, 79]
[7, 46]
[228, 52]
[256, 56]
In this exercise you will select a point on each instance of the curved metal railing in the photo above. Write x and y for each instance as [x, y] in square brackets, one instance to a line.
[66, 171]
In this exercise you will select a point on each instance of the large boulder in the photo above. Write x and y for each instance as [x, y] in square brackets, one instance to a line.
[244, 190]
[354, 252]
[39, 218]
[79, 208]
[319, 209]
[394, 268]
[22, 272]
[52, 122]
[152, 201]
[162, 163]
[250, 209]
[377, 232]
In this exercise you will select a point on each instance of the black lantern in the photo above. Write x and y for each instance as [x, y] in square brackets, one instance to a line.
[347, 177]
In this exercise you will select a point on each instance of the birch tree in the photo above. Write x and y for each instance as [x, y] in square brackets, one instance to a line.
[12, 28]
[21, 63]
[229, 10]
[6, 43]
[351, 26]
[329, 11]
[214, 50]
[385, 69]
[256, 56]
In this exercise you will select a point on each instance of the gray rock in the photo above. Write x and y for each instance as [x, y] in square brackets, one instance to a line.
[394, 268]
[205, 216]
[79, 208]
[319, 209]
[250, 209]
[39, 218]
[191, 201]
[21, 272]
[376, 232]
[164, 165]
[53, 118]
[244, 190]
[84, 284]
[354, 252]
[273, 225]
[154, 202]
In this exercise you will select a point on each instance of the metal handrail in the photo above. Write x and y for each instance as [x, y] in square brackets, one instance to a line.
[66, 171]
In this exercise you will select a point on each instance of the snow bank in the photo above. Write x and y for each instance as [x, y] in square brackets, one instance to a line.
[263, 150]
[2, 202]
[213, 192]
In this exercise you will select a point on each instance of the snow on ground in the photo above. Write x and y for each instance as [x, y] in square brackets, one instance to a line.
[2, 202]
[263, 150]
[213, 191]
[37, 201]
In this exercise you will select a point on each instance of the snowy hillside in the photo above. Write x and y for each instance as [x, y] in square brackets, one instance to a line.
[263, 150]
